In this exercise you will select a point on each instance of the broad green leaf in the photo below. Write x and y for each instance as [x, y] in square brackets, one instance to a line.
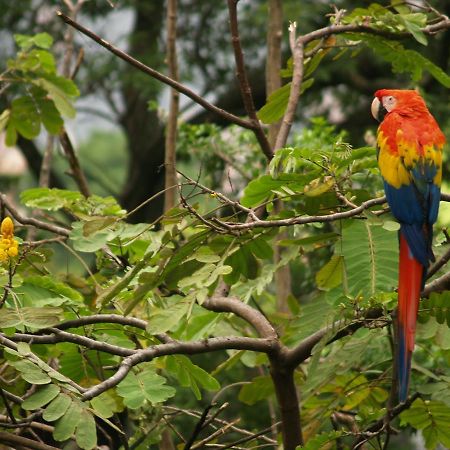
[66, 425]
[330, 275]
[142, 385]
[30, 317]
[86, 432]
[60, 98]
[50, 199]
[413, 23]
[164, 319]
[92, 242]
[41, 397]
[42, 40]
[370, 258]
[31, 372]
[57, 408]
[260, 388]
[277, 102]
[106, 404]
[56, 288]
[190, 374]
[25, 116]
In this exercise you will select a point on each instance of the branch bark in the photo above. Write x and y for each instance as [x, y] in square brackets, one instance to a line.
[241, 74]
[171, 127]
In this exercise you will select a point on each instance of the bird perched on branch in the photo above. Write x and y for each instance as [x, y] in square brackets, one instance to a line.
[410, 145]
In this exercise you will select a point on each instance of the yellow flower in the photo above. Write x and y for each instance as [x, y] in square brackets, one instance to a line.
[7, 227]
[9, 247]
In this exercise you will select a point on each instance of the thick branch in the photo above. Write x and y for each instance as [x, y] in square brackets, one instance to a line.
[157, 75]
[179, 348]
[242, 310]
[244, 85]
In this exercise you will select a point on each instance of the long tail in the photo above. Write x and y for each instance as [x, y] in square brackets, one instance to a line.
[410, 278]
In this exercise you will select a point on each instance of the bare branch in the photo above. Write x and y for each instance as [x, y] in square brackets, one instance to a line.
[244, 85]
[157, 75]
[175, 348]
[296, 84]
[76, 172]
[31, 221]
[23, 442]
[171, 127]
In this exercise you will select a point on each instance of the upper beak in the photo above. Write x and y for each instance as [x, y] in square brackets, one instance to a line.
[375, 109]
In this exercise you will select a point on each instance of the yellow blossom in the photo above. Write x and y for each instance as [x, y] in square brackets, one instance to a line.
[9, 247]
[7, 227]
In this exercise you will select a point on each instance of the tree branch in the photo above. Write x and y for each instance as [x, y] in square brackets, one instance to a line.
[157, 75]
[31, 221]
[170, 170]
[179, 348]
[244, 85]
[297, 47]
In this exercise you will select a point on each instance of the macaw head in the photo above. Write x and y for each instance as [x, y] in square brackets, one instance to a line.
[405, 102]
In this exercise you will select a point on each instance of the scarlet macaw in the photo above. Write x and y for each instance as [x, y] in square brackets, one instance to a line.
[410, 146]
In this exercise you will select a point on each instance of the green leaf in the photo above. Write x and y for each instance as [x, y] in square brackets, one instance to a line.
[162, 320]
[25, 116]
[403, 60]
[146, 384]
[66, 425]
[320, 440]
[43, 40]
[50, 199]
[414, 26]
[41, 397]
[259, 389]
[330, 275]
[106, 404]
[86, 432]
[31, 372]
[57, 408]
[30, 317]
[370, 257]
[190, 374]
[54, 287]
[4, 118]
[432, 417]
[50, 116]
[277, 102]
[59, 96]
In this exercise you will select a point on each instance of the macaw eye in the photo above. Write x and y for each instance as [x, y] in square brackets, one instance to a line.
[389, 102]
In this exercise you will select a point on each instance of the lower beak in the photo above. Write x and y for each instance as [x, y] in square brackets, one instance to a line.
[375, 108]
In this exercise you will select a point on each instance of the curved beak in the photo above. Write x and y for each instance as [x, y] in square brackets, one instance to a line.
[375, 109]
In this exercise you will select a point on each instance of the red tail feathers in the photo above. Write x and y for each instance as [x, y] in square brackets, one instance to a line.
[409, 287]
